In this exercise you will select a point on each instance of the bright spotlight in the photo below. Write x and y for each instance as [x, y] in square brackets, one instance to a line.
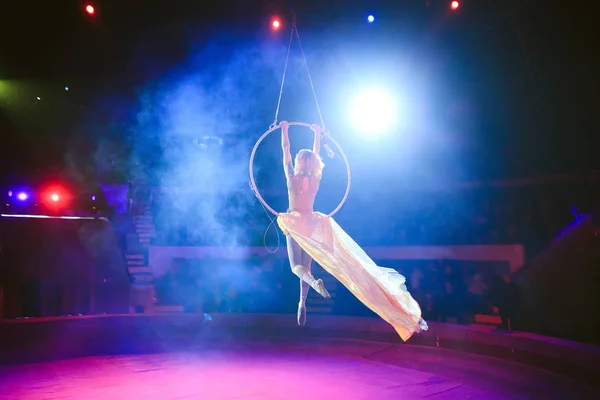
[454, 5]
[54, 197]
[373, 111]
[276, 24]
[90, 9]
[370, 19]
[22, 196]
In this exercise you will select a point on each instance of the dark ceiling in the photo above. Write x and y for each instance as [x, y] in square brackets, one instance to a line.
[534, 63]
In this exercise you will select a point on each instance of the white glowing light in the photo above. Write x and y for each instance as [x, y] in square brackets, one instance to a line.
[373, 111]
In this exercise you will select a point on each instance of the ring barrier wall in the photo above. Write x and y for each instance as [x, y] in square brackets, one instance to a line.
[31, 340]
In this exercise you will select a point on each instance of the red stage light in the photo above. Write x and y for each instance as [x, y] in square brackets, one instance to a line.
[56, 196]
[276, 24]
[454, 5]
[90, 9]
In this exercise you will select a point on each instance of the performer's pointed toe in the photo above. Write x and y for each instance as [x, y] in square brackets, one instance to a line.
[320, 288]
[301, 316]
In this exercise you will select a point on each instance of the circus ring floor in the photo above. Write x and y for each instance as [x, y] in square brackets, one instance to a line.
[244, 356]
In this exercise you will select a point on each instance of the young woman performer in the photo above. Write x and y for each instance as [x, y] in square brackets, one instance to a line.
[312, 235]
[303, 179]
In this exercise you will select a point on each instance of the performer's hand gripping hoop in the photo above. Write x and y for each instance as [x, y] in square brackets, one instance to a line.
[331, 154]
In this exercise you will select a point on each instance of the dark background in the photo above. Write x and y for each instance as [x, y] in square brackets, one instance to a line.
[521, 76]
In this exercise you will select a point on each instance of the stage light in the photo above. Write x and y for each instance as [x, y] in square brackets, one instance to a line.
[373, 111]
[10, 193]
[22, 196]
[67, 88]
[56, 196]
[90, 9]
[370, 19]
[39, 98]
[93, 198]
[454, 5]
[276, 24]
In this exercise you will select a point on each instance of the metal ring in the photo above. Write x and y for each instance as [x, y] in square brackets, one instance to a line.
[274, 127]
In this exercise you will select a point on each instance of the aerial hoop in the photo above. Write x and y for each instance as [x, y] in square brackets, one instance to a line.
[274, 127]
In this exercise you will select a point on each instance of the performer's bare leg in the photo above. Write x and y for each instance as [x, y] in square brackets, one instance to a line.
[300, 263]
[304, 289]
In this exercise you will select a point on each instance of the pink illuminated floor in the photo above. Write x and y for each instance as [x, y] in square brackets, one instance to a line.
[322, 369]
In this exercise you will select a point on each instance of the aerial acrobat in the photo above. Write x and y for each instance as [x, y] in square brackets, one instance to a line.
[315, 236]
[312, 236]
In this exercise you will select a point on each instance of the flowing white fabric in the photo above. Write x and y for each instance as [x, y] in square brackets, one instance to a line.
[381, 289]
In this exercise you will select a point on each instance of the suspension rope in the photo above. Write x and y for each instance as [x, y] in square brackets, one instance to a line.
[312, 86]
[287, 57]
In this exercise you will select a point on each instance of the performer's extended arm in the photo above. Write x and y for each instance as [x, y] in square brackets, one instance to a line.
[285, 146]
[317, 143]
